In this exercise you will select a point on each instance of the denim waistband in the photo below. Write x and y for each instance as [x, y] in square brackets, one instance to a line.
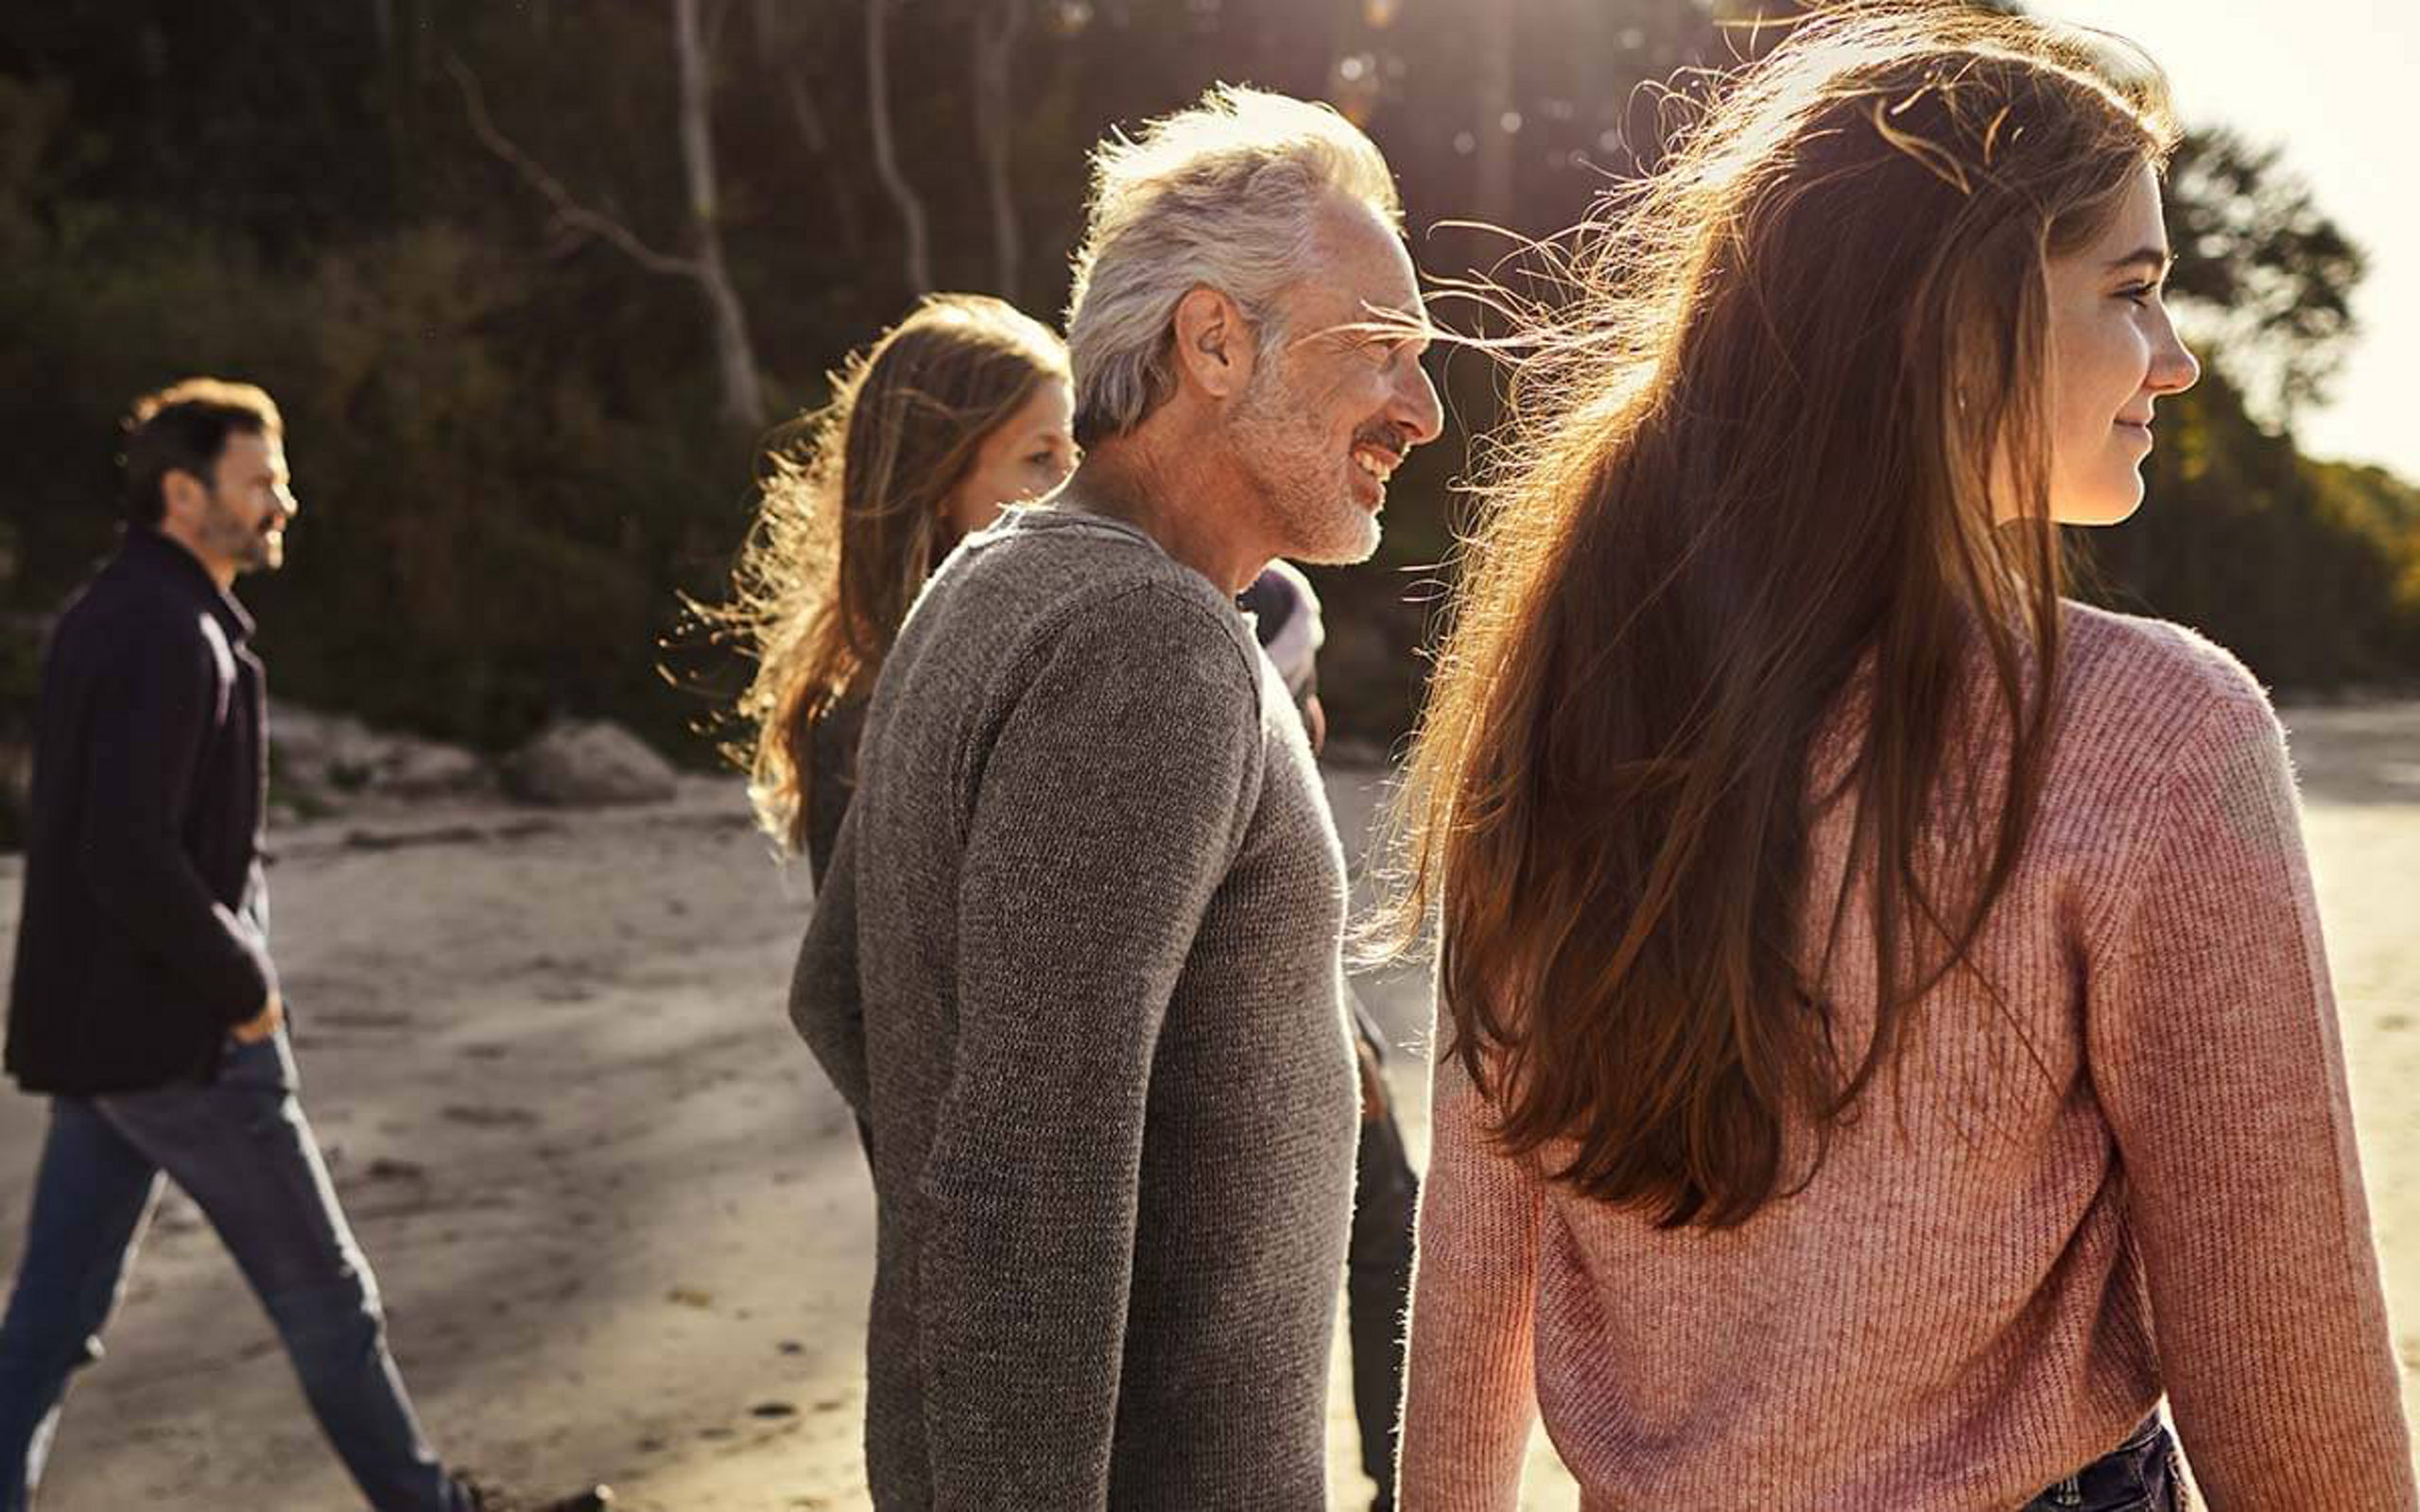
[2139, 1474]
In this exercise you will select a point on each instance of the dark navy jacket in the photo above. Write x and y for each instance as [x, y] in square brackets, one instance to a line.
[144, 937]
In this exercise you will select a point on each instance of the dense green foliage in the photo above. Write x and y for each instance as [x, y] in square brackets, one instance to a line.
[2310, 571]
[510, 436]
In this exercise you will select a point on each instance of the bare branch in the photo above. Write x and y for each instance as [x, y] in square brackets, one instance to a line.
[886, 156]
[735, 349]
[734, 353]
[694, 53]
[803, 112]
[996, 38]
[840, 194]
[1493, 128]
[568, 209]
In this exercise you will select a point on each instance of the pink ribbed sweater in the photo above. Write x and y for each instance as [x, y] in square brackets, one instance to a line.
[2003, 1265]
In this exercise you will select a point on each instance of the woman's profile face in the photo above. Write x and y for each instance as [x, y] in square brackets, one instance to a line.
[1023, 457]
[2114, 352]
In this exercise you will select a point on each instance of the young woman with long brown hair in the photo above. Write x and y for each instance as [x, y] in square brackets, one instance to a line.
[1884, 1043]
[962, 408]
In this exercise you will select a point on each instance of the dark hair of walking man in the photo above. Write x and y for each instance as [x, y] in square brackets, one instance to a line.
[1077, 958]
[143, 1001]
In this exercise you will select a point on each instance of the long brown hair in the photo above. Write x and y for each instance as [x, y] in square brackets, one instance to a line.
[1749, 484]
[849, 521]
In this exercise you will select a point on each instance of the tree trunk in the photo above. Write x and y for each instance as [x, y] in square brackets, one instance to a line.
[996, 25]
[886, 157]
[1497, 105]
[838, 192]
[743, 393]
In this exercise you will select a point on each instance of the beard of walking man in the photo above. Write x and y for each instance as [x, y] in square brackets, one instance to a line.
[236, 522]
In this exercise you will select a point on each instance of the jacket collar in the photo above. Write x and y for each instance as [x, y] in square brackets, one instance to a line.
[162, 560]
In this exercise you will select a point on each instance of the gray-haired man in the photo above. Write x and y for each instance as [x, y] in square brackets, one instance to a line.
[1077, 957]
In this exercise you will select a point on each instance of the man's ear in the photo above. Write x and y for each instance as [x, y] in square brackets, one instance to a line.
[1215, 346]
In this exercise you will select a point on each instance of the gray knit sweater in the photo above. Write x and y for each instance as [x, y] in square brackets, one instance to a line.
[1077, 959]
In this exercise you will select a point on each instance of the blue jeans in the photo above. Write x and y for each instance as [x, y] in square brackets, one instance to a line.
[240, 1147]
[2139, 1475]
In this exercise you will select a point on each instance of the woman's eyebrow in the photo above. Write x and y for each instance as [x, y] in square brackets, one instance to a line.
[2155, 258]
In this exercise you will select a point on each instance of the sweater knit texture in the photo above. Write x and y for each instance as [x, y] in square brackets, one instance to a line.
[2118, 1161]
[1077, 960]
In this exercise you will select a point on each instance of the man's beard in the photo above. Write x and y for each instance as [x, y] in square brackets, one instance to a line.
[249, 547]
[1284, 450]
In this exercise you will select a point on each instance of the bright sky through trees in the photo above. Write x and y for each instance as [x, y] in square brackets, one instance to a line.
[2330, 83]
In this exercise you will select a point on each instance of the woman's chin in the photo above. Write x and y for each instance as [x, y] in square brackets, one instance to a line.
[2113, 504]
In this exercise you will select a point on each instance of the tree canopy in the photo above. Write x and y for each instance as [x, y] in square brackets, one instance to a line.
[529, 280]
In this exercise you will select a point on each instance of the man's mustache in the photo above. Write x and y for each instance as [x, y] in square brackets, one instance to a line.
[1386, 435]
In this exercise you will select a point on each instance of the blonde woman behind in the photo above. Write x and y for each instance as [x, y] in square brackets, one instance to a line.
[958, 411]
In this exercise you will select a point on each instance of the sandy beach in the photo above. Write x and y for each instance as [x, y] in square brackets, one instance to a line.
[620, 1227]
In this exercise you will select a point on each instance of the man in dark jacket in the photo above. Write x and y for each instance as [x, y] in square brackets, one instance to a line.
[143, 1001]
